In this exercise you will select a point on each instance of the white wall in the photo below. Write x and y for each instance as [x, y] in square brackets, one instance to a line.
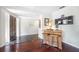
[28, 26]
[40, 30]
[70, 32]
[4, 27]
[17, 29]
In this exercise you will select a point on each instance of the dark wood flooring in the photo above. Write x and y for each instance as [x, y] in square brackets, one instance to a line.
[35, 45]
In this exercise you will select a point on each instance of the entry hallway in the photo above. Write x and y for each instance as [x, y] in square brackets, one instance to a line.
[39, 29]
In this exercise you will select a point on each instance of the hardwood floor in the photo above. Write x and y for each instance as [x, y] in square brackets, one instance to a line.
[35, 45]
[29, 47]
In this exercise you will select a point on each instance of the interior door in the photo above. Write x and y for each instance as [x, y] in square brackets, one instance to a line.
[12, 28]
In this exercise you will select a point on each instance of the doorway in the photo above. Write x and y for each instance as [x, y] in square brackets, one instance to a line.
[12, 29]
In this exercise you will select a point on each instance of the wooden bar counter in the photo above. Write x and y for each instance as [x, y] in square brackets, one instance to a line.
[53, 38]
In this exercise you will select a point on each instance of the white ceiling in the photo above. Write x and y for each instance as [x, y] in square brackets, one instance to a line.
[32, 11]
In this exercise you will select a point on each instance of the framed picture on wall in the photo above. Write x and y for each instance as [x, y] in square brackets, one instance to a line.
[70, 19]
[46, 21]
[65, 21]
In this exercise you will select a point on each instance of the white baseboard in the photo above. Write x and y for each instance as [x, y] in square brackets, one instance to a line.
[28, 34]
